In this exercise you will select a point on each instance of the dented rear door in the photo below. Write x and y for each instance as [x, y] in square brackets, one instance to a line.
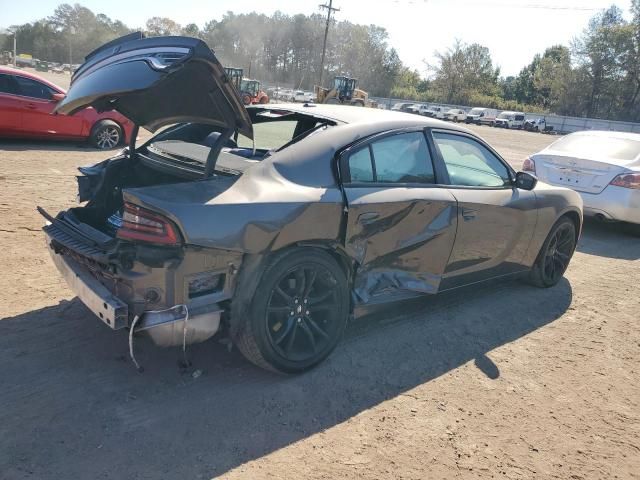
[400, 227]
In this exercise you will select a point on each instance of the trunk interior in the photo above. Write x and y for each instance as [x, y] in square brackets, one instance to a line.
[104, 211]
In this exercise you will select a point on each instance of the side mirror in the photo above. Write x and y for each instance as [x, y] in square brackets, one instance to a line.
[526, 181]
[57, 97]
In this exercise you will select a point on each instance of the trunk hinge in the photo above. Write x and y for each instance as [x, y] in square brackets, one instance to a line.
[212, 158]
[132, 141]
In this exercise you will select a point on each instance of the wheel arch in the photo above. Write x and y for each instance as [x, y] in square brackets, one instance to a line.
[575, 218]
[254, 265]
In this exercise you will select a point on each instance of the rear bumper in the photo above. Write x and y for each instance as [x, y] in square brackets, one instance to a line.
[613, 203]
[106, 306]
[183, 323]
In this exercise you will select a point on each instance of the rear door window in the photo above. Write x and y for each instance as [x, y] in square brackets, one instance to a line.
[401, 158]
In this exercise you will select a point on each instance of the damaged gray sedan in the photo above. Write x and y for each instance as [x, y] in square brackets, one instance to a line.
[276, 221]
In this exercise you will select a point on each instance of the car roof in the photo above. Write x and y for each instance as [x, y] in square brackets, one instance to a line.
[309, 162]
[22, 73]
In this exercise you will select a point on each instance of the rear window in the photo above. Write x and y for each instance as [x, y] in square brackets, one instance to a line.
[592, 145]
[270, 135]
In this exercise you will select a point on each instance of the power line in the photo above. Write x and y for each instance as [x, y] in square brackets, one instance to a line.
[330, 9]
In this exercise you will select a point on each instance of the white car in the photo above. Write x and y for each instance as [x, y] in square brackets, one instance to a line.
[455, 115]
[437, 112]
[509, 119]
[302, 96]
[604, 167]
[420, 109]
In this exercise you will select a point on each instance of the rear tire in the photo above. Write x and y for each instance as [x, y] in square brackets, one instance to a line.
[106, 134]
[555, 254]
[298, 312]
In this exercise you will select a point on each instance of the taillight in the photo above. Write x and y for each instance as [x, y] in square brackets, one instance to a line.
[145, 226]
[627, 180]
[529, 165]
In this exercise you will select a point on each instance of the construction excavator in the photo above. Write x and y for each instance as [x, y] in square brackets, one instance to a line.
[344, 92]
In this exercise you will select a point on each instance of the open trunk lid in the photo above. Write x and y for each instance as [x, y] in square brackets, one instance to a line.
[157, 81]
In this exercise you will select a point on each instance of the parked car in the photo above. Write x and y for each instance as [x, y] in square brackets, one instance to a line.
[27, 102]
[437, 112]
[455, 115]
[403, 107]
[537, 125]
[482, 116]
[420, 109]
[603, 167]
[248, 217]
[286, 94]
[508, 119]
[302, 96]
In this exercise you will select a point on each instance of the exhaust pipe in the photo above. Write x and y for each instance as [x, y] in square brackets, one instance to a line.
[178, 326]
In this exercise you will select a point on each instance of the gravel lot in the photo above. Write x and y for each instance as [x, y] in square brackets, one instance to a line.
[498, 381]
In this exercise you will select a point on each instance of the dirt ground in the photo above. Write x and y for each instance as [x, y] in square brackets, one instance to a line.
[498, 381]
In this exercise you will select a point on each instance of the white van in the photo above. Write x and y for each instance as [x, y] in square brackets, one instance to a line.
[509, 119]
[436, 112]
[482, 116]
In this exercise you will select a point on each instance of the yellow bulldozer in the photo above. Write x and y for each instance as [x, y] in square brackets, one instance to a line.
[344, 92]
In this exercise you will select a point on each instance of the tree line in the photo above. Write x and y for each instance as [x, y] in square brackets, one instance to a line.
[597, 75]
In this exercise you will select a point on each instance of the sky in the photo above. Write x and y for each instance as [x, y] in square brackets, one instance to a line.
[513, 30]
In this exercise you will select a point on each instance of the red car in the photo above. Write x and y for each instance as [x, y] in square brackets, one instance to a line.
[26, 105]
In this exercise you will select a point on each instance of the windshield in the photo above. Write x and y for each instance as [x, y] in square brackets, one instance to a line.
[598, 146]
[476, 111]
[504, 115]
[250, 86]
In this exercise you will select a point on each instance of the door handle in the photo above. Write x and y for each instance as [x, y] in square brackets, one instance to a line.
[369, 217]
[31, 106]
[468, 214]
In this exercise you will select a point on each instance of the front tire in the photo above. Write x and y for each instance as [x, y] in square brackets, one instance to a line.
[106, 134]
[297, 314]
[555, 254]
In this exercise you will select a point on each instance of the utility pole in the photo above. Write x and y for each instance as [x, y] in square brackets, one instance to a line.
[330, 9]
[15, 34]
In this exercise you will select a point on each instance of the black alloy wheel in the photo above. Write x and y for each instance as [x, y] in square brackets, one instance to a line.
[297, 314]
[555, 254]
[300, 312]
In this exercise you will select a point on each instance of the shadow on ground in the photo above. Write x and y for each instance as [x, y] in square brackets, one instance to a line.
[610, 239]
[74, 407]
